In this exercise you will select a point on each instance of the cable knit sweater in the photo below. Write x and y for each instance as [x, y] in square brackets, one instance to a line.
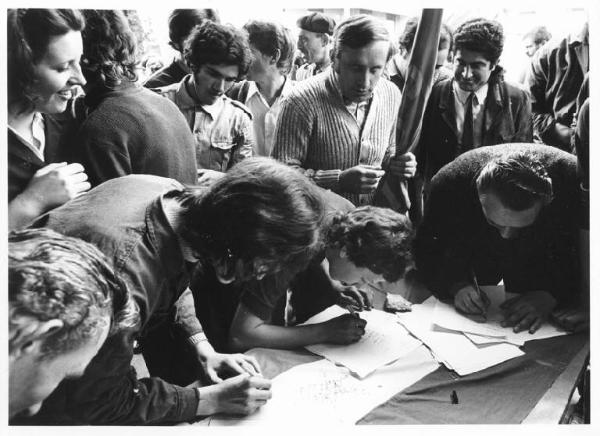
[316, 132]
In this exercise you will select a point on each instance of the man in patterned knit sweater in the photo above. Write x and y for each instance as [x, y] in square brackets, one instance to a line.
[340, 127]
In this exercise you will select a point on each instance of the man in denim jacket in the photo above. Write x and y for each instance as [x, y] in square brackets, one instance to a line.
[218, 55]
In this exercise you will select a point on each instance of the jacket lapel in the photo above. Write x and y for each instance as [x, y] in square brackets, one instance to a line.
[446, 106]
[493, 110]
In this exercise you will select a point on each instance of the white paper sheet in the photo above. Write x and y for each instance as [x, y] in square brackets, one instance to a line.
[329, 395]
[447, 317]
[452, 348]
[383, 342]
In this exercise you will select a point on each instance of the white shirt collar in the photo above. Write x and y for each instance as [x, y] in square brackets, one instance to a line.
[462, 95]
[253, 89]
[38, 133]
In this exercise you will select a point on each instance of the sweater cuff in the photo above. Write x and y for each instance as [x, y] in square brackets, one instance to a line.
[188, 399]
[328, 179]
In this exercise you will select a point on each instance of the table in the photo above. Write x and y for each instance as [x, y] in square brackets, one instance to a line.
[534, 388]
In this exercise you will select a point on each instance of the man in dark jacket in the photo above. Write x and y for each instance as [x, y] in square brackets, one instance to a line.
[261, 217]
[476, 107]
[505, 212]
[555, 78]
[128, 129]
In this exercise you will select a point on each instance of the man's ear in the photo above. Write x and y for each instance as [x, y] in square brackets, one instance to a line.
[225, 270]
[325, 39]
[30, 337]
[275, 58]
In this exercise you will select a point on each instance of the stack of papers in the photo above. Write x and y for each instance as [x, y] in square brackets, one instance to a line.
[383, 342]
[491, 331]
[464, 345]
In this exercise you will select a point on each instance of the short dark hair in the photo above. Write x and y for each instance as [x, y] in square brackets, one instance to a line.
[407, 38]
[539, 35]
[268, 38]
[29, 32]
[109, 48]
[359, 31]
[214, 43]
[51, 276]
[182, 21]
[376, 238]
[519, 180]
[261, 209]
[481, 35]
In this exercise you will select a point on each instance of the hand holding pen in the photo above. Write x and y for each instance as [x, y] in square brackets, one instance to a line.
[471, 300]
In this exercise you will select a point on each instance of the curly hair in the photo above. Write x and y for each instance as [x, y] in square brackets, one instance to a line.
[519, 179]
[109, 48]
[407, 38]
[481, 35]
[29, 32]
[359, 31]
[269, 38]
[217, 44]
[182, 21]
[376, 238]
[51, 276]
[261, 209]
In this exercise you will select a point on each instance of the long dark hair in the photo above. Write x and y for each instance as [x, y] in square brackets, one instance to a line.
[29, 33]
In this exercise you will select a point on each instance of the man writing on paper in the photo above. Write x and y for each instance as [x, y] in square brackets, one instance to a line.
[505, 212]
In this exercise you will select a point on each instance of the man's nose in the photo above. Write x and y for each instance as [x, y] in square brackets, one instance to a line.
[77, 77]
[219, 85]
[467, 72]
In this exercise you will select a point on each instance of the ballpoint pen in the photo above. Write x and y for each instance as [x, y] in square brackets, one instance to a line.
[480, 293]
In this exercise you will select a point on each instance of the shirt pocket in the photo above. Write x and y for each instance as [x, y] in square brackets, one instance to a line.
[221, 152]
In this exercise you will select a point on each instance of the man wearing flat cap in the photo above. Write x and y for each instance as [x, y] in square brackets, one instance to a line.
[314, 42]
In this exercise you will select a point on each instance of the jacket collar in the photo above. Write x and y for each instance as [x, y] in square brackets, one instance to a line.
[493, 105]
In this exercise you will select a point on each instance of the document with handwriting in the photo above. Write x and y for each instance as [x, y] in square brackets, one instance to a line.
[383, 342]
[329, 395]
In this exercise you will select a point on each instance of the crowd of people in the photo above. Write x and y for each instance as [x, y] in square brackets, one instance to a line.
[231, 195]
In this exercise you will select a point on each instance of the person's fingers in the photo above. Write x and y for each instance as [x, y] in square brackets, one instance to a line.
[370, 167]
[466, 305]
[260, 383]
[252, 361]
[366, 300]
[249, 368]
[536, 325]
[72, 168]
[260, 394]
[82, 187]
[476, 302]
[525, 322]
[235, 366]
[516, 316]
[213, 376]
[77, 177]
